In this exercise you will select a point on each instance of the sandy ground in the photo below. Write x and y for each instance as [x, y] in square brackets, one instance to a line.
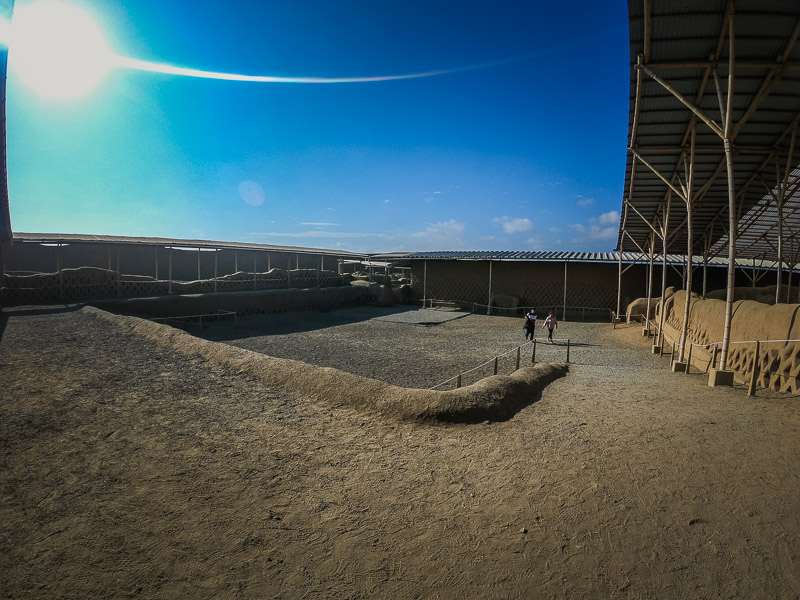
[128, 470]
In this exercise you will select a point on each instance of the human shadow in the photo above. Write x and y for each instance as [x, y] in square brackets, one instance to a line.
[8, 312]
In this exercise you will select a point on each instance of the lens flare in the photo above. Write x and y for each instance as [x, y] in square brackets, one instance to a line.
[57, 49]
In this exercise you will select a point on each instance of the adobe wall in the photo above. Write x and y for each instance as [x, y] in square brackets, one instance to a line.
[779, 362]
[92, 282]
[153, 260]
[533, 283]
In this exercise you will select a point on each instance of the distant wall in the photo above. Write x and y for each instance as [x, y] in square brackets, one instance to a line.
[35, 273]
[537, 283]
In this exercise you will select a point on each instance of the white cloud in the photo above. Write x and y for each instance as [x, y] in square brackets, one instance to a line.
[320, 224]
[445, 235]
[514, 225]
[585, 201]
[387, 201]
[609, 218]
[555, 229]
[595, 232]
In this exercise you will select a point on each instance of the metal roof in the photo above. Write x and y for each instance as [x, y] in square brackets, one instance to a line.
[605, 257]
[682, 43]
[76, 238]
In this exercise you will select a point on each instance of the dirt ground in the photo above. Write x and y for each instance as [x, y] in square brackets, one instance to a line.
[130, 470]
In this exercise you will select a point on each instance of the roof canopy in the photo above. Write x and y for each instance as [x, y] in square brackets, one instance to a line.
[703, 71]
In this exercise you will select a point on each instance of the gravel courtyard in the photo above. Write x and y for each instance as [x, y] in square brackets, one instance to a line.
[128, 469]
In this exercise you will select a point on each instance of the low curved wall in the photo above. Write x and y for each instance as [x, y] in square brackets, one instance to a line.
[495, 397]
[779, 362]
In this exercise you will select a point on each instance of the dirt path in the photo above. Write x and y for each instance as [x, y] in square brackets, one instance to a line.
[128, 470]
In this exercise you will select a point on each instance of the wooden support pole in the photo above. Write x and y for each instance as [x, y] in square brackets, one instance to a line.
[714, 357]
[533, 355]
[496, 360]
[59, 262]
[567, 349]
[751, 389]
[688, 270]
[689, 359]
[424, 281]
[564, 310]
[650, 282]
[119, 274]
[519, 349]
[458, 381]
[672, 354]
[198, 264]
[489, 301]
[169, 273]
[664, 268]
[726, 331]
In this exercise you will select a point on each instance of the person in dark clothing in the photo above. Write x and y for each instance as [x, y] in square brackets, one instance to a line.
[530, 324]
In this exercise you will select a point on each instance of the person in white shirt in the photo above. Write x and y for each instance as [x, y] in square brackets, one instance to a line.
[551, 323]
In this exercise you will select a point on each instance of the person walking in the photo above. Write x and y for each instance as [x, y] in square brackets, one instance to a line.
[551, 323]
[530, 324]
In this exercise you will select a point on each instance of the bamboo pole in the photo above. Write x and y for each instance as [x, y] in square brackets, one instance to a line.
[650, 284]
[689, 244]
[664, 268]
[781, 197]
[689, 359]
[726, 332]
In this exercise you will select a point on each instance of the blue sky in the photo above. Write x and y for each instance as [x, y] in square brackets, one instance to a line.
[527, 154]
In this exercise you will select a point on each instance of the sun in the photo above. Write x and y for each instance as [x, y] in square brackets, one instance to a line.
[57, 49]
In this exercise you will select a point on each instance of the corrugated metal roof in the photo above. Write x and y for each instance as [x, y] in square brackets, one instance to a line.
[677, 41]
[606, 257]
[75, 238]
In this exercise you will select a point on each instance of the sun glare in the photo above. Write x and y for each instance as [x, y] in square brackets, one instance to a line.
[57, 49]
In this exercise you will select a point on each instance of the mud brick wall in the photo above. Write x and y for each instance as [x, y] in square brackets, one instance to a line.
[533, 283]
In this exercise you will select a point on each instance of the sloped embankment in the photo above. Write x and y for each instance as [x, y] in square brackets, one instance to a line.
[493, 398]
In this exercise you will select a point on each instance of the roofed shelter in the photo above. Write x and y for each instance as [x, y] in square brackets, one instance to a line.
[712, 159]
